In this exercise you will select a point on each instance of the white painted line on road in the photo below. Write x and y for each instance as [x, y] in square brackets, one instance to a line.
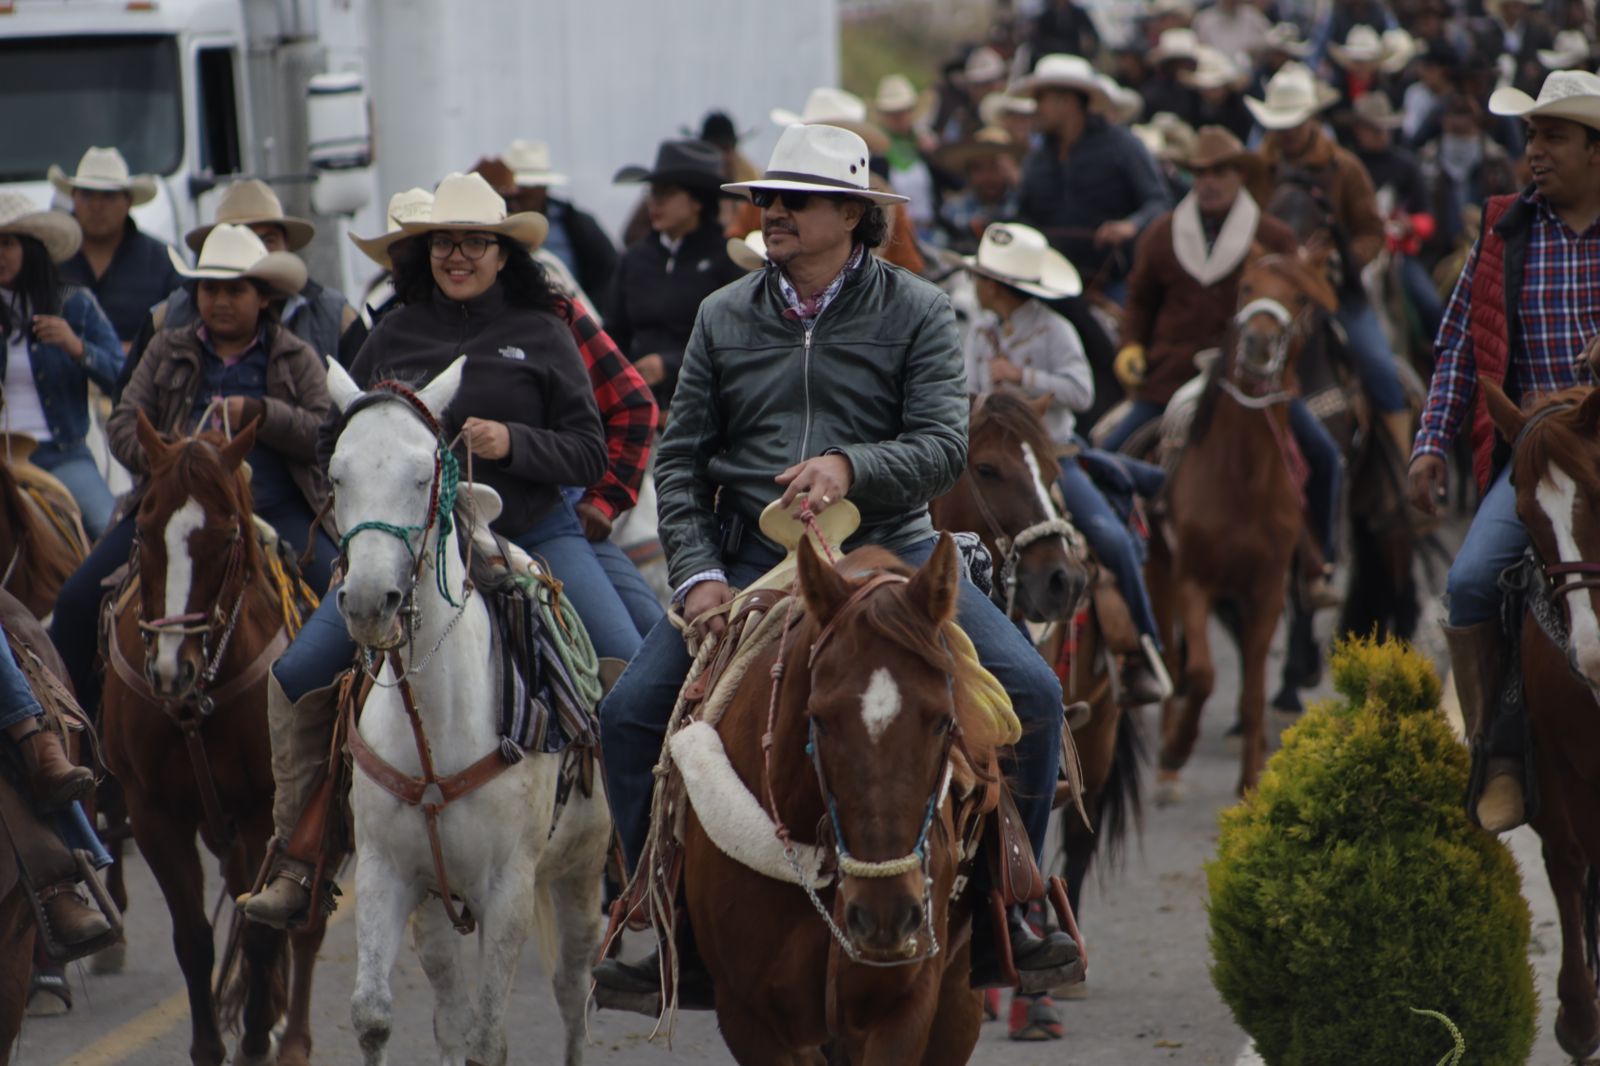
[1249, 1056]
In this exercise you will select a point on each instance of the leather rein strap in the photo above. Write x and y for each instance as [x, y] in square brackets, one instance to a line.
[430, 792]
[1587, 573]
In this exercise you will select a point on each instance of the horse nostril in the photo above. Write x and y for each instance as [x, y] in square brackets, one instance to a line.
[1060, 583]
[858, 921]
[910, 918]
[341, 597]
[391, 602]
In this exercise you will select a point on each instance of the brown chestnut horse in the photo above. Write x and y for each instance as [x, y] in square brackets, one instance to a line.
[41, 534]
[184, 717]
[1556, 470]
[1234, 511]
[863, 728]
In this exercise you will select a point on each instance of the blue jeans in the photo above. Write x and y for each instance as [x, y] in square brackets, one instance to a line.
[1140, 413]
[17, 701]
[1113, 543]
[324, 647]
[637, 595]
[1327, 472]
[74, 467]
[1495, 541]
[633, 718]
[1423, 296]
[1369, 351]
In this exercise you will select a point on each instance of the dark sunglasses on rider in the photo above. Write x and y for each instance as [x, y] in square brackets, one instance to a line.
[475, 247]
[792, 201]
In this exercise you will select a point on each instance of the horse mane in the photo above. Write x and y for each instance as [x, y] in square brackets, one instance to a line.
[195, 470]
[1564, 439]
[1008, 415]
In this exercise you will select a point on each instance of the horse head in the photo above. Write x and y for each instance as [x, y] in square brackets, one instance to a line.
[1279, 297]
[882, 715]
[1011, 464]
[196, 549]
[1555, 468]
[389, 483]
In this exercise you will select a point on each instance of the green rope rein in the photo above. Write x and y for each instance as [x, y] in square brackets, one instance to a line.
[449, 481]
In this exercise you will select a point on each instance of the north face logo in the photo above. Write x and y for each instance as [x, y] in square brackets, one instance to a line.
[514, 353]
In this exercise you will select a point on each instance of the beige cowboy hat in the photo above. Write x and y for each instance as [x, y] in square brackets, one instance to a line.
[984, 65]
[1374, 109]
[234, 252]
[1285, 37]
[530, 165]
[56, 230]
[895, 94]
[1216, 146]
[104, 170]
[818, 159]
[1389, 51]
[988, 141]
[995, 106]
[1570, 50]
[835, 107]
[748, 252]
[1058, 71]
[1121, 104]
[413, 205]
[252, 203]
[1020, 257]
[1570, 94]
[1213, 70]
[1177, 136]
[1293, 95]
[1176, 43]
[467, 201]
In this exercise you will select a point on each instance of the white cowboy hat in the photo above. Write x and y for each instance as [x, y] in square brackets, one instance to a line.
[1020, 257]
[1165, 8]
[467, 202]
[824, 105]
[1176, 43]
[1293, 95]
[1391, 50]
[1570, 50]
[1213, 70]
[1060, 71]
[983, 66]
[413, 205]
[995, 105]
[1285, 37]
[530, 165]
[56, 230]
[1122, 105]
[895, 93]
[250, 203]
[104, 170]
[1568, 94]
[818, 159]
[234, 252]
[748, 252]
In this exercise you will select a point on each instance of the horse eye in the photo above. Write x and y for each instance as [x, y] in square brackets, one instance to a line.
[986, 470]
[943, 726]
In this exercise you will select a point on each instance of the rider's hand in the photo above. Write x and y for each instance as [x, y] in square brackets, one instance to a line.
[1426, 483]
[1003, 371]
[53, 329]
[708, 596]
[825, 480]
[1119, 232]
[1129, 365]
[652, 368]
[487, 439]
[596, 526]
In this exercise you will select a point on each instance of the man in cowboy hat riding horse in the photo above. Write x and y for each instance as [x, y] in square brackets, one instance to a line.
[863, 394]
[1525, 314]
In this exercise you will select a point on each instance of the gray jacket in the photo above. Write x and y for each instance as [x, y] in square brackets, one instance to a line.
[878, 378]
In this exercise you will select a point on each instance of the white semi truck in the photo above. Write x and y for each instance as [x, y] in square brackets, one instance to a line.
[338, 103]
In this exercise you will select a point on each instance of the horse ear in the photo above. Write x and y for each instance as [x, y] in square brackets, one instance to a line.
[235, 450]
[150, 438]
[937, 586]
[442, 389]
[1041, 404]
[1507, 416]
[1589, 411]
[341, 386]
[823, 588]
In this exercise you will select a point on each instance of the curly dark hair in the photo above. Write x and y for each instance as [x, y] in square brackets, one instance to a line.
[524, 281]
[37, 284]
[873, 229]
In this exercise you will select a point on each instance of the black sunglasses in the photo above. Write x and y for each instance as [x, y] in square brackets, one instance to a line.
[792, 201]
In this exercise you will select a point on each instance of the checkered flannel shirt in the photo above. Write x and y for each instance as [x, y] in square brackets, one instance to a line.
[627, 409]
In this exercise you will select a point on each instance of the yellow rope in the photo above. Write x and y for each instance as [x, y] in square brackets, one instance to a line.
[292, 591]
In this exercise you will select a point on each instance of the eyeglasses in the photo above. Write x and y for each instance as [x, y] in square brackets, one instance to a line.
[792, 201]
[442, 246]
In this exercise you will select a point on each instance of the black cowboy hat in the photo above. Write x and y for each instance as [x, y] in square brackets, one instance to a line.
[718, 128]
[691, 164]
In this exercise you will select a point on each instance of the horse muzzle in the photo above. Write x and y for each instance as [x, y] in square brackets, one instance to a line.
[371, 612]
[884, 919]
[174, 681]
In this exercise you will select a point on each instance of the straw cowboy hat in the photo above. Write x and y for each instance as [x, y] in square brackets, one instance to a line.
[1374, 110]
[997, 105]
[818, 159]
[530, 165]
[413, 205]
[835, 107]
[1285, 37]
[1568, 94]
[988, 141]
[1571, 49]
[251, 203]
[1216, 146]
[1213, 70]
[1177, 136]
[895, 94]
[748, 252]
[468, 202]
[983, 66]
[1390, 52]
[56, 230]
[234, 252]
[1293, 95]
[1176, 43]
[1058, 71]
[1122, 105]
[1020, 257]
[690, 164]
[104, 170]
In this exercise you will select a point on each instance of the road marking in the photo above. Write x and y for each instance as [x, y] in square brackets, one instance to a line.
[142, 1030]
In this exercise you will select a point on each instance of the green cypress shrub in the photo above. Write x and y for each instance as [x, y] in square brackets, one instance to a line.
[1351, 887]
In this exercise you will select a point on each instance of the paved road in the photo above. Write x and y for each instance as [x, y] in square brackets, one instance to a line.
[1149, 999]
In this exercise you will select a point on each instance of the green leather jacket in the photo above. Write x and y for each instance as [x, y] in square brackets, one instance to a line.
[879, 377]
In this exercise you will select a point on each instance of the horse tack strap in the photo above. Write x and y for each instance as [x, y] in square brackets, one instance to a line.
[189, 725]
[867, 588]
[1588, 577]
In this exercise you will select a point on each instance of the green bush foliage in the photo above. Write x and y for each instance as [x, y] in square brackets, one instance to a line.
[1351, 887]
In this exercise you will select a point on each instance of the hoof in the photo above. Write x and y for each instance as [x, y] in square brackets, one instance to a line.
[1169, 789]
[109, 960]
[1580, 1046]
[268, 1057]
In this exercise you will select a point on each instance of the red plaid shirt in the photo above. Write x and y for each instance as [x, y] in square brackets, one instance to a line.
[626, 407]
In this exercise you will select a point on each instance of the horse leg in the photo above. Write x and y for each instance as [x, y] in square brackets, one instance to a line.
[959, 1015]
[439, 949]
[1578, 1017]
[567, 909]
[109, 803]
[1181, 718]
[508, 917]
[295, 1047]
[384, 899]
[16, 966]
[169, 849]
[1259, 618]
[752, 1043]
[262, 951]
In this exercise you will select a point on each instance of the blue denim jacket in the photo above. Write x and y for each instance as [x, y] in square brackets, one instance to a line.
[62, 381]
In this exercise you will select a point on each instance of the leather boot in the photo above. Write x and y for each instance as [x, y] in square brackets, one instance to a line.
[302, 733]
[643, 978]
[1477, 661]
[1029, 950]
[285, 900]
[72, 920]
[53, 778]
[1144, 676]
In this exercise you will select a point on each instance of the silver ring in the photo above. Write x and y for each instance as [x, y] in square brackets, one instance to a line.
[827, 499]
